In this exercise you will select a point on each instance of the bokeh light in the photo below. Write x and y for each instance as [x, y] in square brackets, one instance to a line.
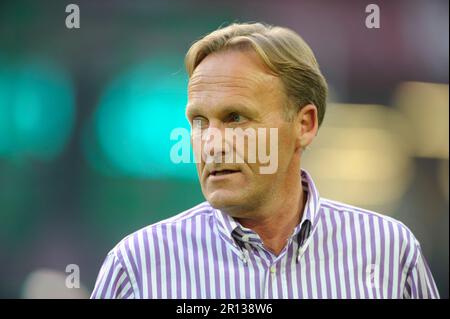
[133, 121]
[358, 157]
[44, 283]
[36, 110]
[426, 109]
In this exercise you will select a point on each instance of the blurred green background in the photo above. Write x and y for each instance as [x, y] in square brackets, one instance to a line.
[86, 116]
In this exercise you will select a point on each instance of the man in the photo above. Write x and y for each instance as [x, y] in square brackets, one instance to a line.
[262, 235]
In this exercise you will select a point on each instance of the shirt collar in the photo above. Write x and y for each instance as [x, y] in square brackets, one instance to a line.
[233, 232]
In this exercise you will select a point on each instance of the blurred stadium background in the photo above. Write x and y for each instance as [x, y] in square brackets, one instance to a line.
[85, 118]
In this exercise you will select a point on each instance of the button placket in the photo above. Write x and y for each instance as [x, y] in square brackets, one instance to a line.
[273, 269]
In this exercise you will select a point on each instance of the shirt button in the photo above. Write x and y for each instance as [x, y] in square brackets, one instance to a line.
[273, 269]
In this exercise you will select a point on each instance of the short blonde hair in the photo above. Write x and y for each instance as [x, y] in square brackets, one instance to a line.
[285, 53]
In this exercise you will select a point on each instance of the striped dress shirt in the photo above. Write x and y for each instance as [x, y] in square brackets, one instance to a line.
[337, 251]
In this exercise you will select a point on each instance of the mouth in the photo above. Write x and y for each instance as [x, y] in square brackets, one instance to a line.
[222, 172]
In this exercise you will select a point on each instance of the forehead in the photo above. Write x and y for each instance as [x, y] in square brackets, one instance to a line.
[231, 75]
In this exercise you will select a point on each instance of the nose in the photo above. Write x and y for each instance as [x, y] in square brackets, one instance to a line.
[214, 147]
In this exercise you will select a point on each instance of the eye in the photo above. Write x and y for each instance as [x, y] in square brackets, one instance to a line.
[199, 122]
[235, 117]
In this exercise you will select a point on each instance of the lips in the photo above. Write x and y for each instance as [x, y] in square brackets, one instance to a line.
[223, 172]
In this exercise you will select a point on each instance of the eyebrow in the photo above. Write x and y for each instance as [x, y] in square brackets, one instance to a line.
[192, 109]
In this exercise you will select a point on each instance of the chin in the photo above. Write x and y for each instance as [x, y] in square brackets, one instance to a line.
[221, 199]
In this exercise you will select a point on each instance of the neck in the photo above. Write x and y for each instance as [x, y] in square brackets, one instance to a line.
[277, 224]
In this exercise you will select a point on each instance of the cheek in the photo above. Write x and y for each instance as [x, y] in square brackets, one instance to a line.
[199, 167]
[196, 143]
[285, 151]
[285, 143]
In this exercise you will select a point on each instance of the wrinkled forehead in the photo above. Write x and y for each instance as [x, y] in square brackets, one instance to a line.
[231, 73]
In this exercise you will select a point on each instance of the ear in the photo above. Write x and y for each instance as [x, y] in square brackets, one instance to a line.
[307, 124]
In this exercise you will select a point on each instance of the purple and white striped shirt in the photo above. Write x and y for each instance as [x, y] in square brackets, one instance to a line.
[337, 251]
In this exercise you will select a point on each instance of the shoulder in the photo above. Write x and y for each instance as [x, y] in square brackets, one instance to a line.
[332, 208]
[376, 226]
[143, 237]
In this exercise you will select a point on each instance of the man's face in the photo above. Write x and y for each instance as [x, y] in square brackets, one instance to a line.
[231, 90]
